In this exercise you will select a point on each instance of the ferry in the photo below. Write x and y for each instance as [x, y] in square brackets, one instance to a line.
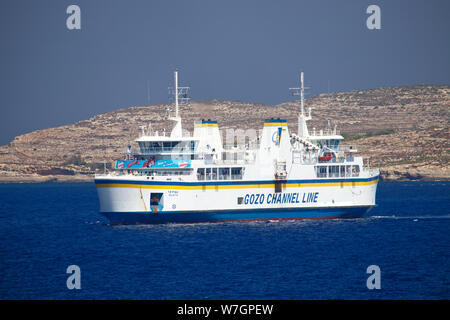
[272, 174]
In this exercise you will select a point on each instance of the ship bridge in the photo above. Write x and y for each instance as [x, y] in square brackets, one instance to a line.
[152, 145]
[326, 138]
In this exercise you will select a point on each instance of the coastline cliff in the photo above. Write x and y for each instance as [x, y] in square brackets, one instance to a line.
[403, 130]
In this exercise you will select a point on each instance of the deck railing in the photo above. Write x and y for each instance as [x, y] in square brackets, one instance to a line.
[325, 132]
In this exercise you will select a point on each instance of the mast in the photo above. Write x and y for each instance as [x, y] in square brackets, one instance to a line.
[302, 94]
[176, 92]
[302, 118]
[180, 95]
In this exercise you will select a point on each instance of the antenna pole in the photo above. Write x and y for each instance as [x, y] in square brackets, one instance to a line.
[302, 118]
[176, 92]
[302, 94]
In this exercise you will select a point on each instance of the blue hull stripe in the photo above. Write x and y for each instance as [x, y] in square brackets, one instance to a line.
[231, 215]
[235, 182]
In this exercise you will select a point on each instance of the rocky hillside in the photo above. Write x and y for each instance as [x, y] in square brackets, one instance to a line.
[404, 130]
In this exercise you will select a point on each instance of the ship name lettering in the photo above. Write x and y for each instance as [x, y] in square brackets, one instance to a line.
[275, 198]
[257, 198]
[283, 198]
[310, 197]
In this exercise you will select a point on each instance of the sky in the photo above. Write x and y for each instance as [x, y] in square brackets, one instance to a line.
[249, 50]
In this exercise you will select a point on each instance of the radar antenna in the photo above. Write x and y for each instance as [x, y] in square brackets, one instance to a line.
[302, 118]
[300, 92]
[178, 95]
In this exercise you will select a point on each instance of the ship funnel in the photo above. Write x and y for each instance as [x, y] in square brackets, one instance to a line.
[209, 135]
[275, 141]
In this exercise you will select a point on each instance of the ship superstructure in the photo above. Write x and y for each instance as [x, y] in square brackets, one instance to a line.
[273, 174]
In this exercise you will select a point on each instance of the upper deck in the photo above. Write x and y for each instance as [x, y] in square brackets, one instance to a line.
[152, 145]
[272, 153]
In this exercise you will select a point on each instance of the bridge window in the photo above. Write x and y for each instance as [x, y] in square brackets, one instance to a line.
[333, 171]
[355, 171]
[236, 173]
[348, 171]
[219, 173]
[224, 173]
[200, 174]
[337, 171]
[342, 171]
[321, 171]
[168, 146]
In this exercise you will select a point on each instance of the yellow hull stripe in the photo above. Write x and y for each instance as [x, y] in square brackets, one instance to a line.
[237, 186]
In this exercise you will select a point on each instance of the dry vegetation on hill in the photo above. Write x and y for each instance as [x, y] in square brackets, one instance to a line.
[404, 130]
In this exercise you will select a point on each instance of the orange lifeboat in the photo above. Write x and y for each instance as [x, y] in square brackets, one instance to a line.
[326, 158]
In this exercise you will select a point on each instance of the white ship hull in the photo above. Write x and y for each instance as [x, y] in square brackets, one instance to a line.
[125, 200]
[272, 174]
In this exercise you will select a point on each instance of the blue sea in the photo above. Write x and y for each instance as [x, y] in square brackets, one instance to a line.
[44, 228]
